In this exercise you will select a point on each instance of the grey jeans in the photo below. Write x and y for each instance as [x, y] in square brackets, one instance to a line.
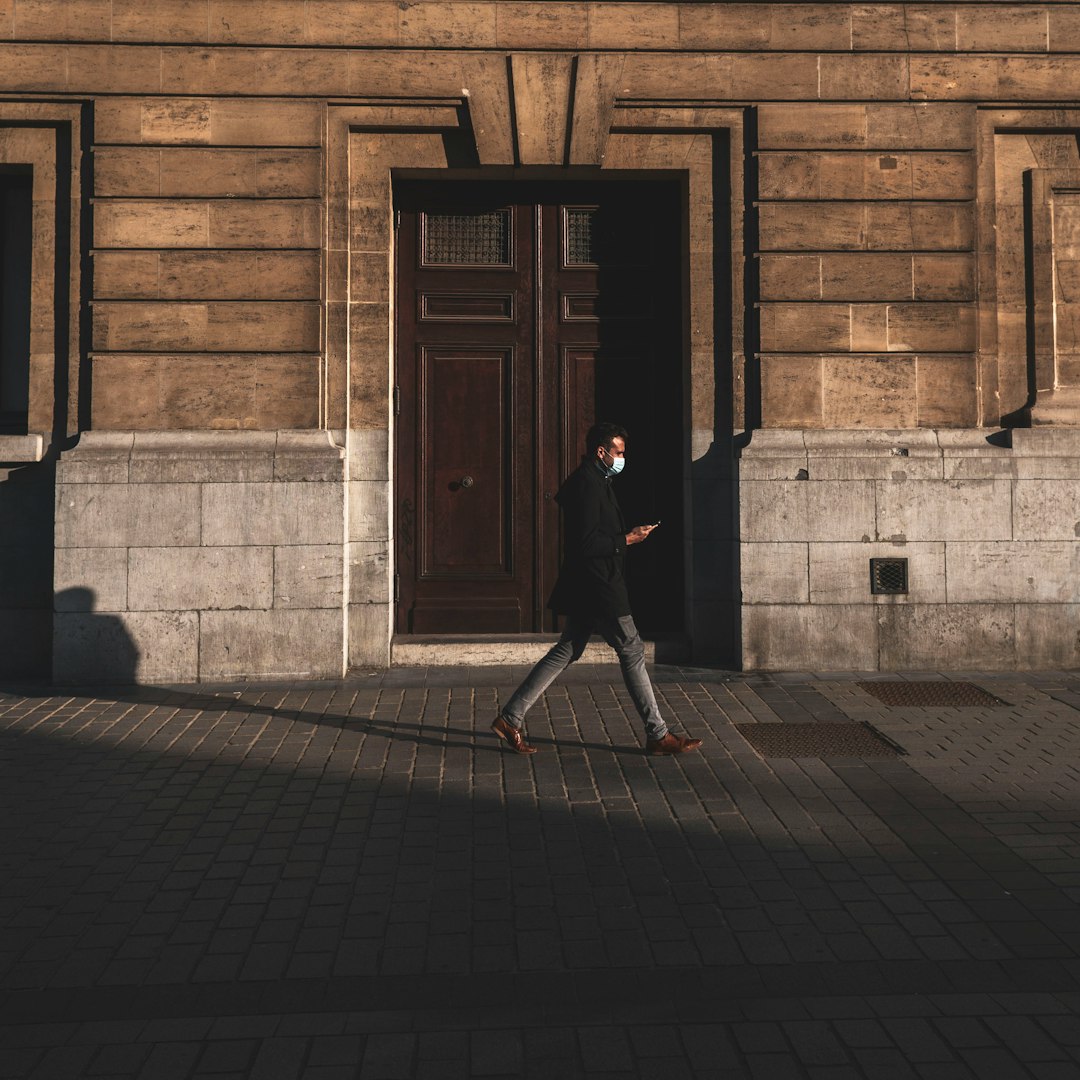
[621, 634]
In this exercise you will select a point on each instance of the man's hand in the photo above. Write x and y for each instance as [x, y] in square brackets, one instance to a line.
[638, 533]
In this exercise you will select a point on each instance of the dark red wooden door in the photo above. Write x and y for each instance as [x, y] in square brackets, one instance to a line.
[525, 313]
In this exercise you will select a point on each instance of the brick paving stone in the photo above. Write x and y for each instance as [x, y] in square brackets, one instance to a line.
[261, 855]
[279, 1059]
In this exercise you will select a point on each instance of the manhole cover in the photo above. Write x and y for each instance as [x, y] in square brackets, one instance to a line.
[817, 740]
[922, 694]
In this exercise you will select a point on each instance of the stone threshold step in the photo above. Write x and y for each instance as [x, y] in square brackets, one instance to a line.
[483, 650]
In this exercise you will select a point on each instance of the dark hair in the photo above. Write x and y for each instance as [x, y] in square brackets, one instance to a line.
[603, 434]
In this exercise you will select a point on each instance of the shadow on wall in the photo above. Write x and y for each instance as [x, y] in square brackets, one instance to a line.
[90, 646]
[715, 578]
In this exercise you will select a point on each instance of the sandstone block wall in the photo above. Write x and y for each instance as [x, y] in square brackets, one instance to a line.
[989, 531]
[200, 557]
[206, 269]
[867, 265]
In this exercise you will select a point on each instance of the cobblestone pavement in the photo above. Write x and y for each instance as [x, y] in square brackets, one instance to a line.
[355, 880]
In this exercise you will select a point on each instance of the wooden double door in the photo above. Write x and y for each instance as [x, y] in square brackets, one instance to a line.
[525, 313]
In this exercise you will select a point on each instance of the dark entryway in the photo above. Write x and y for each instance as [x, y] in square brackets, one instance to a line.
[525, 312]
[16, 243]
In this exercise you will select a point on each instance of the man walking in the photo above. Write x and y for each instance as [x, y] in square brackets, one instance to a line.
[591, 593]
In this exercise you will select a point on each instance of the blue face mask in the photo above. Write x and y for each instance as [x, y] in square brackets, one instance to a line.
[617, 465]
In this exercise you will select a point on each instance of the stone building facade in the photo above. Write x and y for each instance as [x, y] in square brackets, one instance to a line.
[307, 303]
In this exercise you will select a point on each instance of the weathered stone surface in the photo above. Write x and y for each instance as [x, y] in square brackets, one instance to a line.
[308, 455]
[541, 106]
[642, 26]
[837, 637]
[202, 173]
[15, 448]
[192, 391]
[143, 646]
[308, 576]
[773, 573]
[200, 579]
[369, 572]
[1046, 510]
[179, 223]
[852, 226]
[817, 175]
[915, 126]
[866, 391]
[866, 277]
[946, 391]
[530, 26]
[127, 515]
[1047, 636]
[370, 629]
[275, 514]
[369, 454]
[954, 510]
[206, 327]
[198, 456]
[90, 579]
[943, 277]
[369, 514]
[1018, 571]
[280, 643]
[946, 637]
[840, 573]
[802, 510]
[791, 391]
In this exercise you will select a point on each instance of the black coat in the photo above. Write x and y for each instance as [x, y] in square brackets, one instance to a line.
[591, 580]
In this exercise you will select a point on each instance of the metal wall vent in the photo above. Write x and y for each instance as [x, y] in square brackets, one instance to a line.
[888, 577]
[928, 694]
[817, 741]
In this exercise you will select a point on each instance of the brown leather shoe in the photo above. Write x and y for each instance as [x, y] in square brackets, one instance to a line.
[670, 744]
[514, 736]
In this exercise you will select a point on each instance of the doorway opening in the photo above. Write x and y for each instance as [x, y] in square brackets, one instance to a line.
[527, 311]
[16, 243]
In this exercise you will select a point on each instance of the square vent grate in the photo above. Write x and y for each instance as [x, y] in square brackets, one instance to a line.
[817, 741]
[928, 694]
[888, 577]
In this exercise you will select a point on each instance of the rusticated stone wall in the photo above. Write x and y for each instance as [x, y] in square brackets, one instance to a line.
[867, 266]
[989, 531]
[206, 265]
[199, 557]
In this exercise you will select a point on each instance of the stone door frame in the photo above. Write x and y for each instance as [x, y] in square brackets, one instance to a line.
[49, 138]
[368, 143]
[1001, 300]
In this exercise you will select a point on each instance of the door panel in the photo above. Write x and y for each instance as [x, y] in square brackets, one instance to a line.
[526, 313]
[465, 467]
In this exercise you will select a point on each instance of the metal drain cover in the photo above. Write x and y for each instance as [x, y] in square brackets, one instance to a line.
[817, 741]
[923, 694]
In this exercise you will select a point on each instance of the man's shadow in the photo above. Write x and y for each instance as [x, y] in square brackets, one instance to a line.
[95, 655]
[90, 646]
